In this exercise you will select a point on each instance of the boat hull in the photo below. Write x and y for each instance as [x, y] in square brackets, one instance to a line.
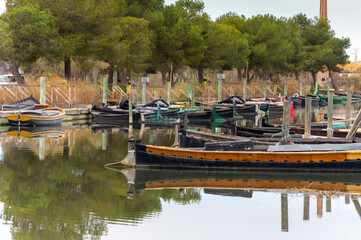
[165, 157]
[23, 119]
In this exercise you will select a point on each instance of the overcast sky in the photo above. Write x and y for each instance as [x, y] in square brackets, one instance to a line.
[345, 16]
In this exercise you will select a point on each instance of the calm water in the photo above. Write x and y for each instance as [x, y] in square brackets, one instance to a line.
[54, 186]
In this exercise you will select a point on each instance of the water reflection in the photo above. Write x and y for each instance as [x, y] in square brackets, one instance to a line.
[70, 195]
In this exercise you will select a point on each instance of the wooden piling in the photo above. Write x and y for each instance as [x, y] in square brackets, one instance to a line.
[144, 93]
[285, 90]
[352, 133]
[105, 90]
[347, 199]
[348, 109]
[330, 115]
[168, 93]
[244, 89]
[219, 90]
[284, 212]
[308, 117]
[264, 89]
[42, 90]
[285, 123]
[316, 87]
[193, 98]
[306, 207]
[130, 112]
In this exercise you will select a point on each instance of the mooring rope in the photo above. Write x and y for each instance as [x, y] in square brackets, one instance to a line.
[296, 139]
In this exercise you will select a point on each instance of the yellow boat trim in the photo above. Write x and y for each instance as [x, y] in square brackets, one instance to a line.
[338, 156]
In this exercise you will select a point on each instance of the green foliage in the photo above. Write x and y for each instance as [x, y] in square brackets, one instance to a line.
[33, 34]
[148, 36]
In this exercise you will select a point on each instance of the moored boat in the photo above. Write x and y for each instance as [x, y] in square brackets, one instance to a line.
[43, 117]
[243, 155]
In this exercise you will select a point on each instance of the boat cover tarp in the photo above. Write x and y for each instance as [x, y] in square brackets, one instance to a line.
[315, 147]
[162, 103]
[47, 113]
[237, 100]
[22, 104]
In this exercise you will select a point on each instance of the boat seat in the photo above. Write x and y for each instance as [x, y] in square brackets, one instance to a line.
[48, 113]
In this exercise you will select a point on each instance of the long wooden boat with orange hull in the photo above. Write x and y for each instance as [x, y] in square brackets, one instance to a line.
[43, 117]
[243, 155]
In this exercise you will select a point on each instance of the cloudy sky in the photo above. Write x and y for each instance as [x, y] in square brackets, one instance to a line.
[345, 16]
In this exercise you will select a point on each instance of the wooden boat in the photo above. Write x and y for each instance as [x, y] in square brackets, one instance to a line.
[26, 103]
[110, 115]
[43, 117]
[302, 100]
[240, 110]
[243, 155]
[198, 116]
[153, 105]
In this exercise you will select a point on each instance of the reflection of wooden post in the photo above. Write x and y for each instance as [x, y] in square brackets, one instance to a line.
[347, 199]
[328, 204]
[356, 203]
[284, 212]
[306, 207]
[104, 140]
[348, 108]
[330, 115]
[301, 89]
[308, 117]
[285, 90]
[42, 145]
[319, 206]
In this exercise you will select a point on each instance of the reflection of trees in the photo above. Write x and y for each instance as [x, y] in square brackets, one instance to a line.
[71, 197]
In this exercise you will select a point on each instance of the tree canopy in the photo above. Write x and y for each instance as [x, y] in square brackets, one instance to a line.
[148, 36]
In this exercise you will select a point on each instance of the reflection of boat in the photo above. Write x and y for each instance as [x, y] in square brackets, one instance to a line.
[26, 103]
[36, 132]
[243, 155]
[43, 117]
[332, 182]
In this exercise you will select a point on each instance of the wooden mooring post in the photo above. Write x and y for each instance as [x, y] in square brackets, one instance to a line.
[285, 91]
[130, 112]
[301, 88]
[105, 91]
[285, 124]
[352, 133]
[244, 89]
[42, 90]
[308, 117]
[330, 115]
[348, 109]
